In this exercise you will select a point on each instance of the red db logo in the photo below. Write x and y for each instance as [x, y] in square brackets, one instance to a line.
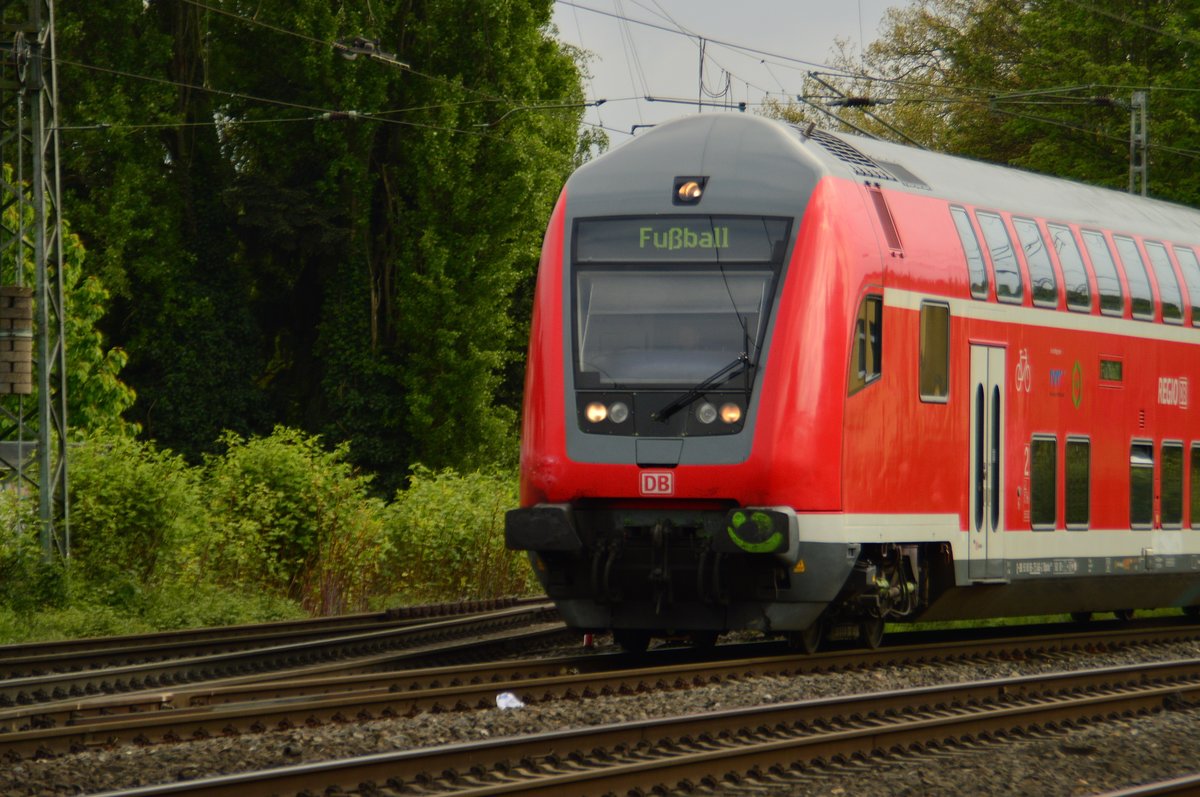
[658, 482]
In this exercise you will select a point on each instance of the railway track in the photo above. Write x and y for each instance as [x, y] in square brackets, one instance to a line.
[725, 748]
[463, 635]
[39, 658]
[372, 686]
[306, 698]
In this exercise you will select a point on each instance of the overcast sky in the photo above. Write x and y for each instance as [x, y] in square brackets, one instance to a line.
[632, 60]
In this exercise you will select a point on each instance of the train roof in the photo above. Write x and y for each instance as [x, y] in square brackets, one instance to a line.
[764, 160]
[1006, 188]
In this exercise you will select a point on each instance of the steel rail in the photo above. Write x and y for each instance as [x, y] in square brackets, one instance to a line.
[279, 699]
[1187, 786]
[663, 753]
[64, 685]
[32, 658]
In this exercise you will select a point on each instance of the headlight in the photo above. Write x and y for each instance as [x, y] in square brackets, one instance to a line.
[596, 412]
[706, 413]
[731, 413]
[618, 412]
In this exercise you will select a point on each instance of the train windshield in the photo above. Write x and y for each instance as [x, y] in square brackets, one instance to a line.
[668, 302]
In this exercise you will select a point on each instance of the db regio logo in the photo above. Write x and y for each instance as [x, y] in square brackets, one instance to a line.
[657, 482]
[1173, 391]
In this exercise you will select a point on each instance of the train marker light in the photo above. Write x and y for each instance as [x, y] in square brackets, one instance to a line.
[706, 413]
[688, 190]
[618, 412]
[731, 413]
[596, 412]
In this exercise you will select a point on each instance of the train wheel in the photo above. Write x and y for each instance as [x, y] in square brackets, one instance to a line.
[632, 641]
[1192, 611]
[1124, 615]
[870, 631]
[808, 640]
[1081, 617]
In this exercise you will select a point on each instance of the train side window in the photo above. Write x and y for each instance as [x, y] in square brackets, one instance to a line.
[1171, 489]
[1078, 478]
[866, 353]
[1168, 285]
[1135, 274]
[1141, 485]
[1079, 295]
[1041, 273]
[976, 268]
[934, 366]
[1112, 301]
[1004, 260]
[1043, 481]
[1194, 481]
[1191, 277]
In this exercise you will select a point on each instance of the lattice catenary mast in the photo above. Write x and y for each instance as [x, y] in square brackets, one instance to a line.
[33, 441]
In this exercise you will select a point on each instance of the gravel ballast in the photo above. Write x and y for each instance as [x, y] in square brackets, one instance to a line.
[1087, 760]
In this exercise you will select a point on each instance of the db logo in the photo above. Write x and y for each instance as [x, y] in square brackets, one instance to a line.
[657, 482]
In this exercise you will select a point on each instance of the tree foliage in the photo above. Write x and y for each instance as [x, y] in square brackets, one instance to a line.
[1041, 84]
[97, 398]
[295, 237]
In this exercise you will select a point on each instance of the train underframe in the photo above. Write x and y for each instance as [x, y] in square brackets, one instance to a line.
[696, 573]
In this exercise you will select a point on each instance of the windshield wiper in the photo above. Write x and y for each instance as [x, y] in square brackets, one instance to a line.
[728, 372]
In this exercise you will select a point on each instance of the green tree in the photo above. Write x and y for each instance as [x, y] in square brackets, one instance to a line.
[97, 398]
[277, 258]
[1040, 84]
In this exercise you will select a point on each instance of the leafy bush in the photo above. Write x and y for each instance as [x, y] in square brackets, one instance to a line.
[294, 519]
[447, 536]
[132, 506]
[26, 582]
[271, 528]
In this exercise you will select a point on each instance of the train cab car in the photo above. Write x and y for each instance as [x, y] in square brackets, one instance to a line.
[801, 383]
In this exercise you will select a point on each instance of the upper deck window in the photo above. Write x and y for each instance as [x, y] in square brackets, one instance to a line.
[1168, 286]
[1135, 274]
[970, 244]
[1191, 277]
[1041, 272]
[1009, 287]
[1112, 300]
[1079, 295]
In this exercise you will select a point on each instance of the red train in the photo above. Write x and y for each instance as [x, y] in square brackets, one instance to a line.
[806, 384]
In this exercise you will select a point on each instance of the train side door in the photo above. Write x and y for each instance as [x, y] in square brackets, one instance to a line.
[986, 544]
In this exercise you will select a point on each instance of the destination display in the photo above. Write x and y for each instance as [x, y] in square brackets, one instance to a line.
[681, 239]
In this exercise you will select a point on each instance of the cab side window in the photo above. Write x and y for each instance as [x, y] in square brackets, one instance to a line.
[866, 349]
[934, 366]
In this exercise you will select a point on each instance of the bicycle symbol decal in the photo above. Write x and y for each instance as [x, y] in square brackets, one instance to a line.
[1024, 373]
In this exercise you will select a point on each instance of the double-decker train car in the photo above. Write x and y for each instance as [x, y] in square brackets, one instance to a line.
[803, 383]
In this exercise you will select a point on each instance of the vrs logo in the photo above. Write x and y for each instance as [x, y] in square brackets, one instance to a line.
[657, 482]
